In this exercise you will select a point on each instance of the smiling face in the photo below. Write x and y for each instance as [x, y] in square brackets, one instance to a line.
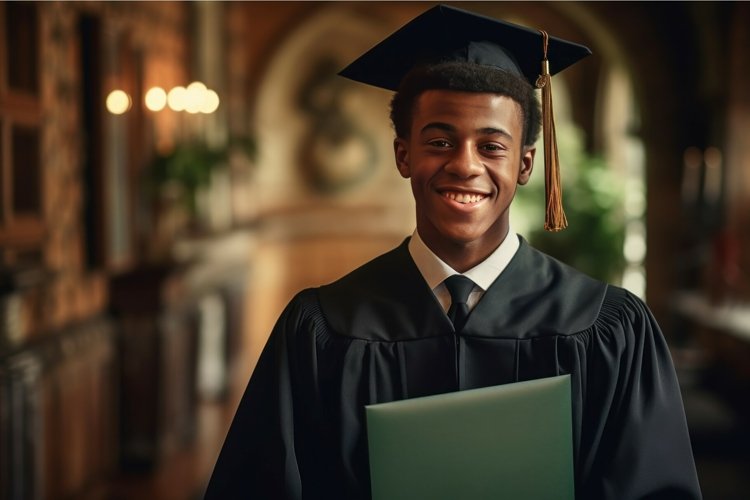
[464, 157]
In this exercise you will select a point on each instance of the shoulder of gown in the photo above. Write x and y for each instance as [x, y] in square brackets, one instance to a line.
[387, 299]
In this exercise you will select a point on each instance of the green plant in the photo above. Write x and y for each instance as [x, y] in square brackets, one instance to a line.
[593, 200]
[189, 166]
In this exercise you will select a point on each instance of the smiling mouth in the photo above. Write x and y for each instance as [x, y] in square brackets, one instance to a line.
[464, 198]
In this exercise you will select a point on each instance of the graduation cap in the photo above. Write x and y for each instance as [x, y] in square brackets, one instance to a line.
[444, 34]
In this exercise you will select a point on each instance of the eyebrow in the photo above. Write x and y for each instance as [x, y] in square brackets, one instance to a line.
[447, 127]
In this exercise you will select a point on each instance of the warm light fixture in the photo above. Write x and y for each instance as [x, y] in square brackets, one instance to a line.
[196, 98]
[118, 102]
[176, 98]
[210, 102]
[156, 99]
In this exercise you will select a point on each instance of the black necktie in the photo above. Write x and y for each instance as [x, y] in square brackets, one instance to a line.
[459, 287]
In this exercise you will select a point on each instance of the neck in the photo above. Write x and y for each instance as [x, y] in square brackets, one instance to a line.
[463, 256]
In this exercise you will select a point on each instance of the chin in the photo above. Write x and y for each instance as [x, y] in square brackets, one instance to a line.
[469, 233]
[461, 237]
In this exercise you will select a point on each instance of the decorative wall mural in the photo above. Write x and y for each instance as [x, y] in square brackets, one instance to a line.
[335, 153]
[325, 147]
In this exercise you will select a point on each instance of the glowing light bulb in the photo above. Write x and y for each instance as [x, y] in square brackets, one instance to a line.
[195, 96]
[210, 103]
[156, 99]
[118, 102]
[176, 98]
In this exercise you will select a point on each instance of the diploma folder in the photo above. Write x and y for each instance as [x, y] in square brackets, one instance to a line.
[511, 441]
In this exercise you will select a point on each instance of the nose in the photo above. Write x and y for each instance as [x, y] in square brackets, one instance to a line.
[464, 162]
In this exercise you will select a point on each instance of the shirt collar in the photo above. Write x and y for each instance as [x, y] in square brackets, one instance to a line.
[435, 271]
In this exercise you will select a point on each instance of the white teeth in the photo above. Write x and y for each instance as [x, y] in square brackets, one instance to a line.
[464, 197]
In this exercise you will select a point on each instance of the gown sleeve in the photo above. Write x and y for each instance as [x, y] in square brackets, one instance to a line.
[635, 427]
[258, 458]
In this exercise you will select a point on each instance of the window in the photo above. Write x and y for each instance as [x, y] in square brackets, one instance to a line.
[21, 199]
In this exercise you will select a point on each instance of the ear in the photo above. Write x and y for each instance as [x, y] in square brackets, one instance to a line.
[527, 164]
[401, 151]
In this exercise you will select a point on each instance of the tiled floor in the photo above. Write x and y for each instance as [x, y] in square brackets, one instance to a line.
[182, 476]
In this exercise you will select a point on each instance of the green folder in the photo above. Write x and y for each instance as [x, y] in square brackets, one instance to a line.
[511, 441]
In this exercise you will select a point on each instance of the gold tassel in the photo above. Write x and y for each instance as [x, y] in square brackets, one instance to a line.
[554, 219]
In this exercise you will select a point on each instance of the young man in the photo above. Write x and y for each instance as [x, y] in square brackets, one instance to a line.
[466, 120]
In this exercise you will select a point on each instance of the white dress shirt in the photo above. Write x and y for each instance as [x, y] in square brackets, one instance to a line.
[435, 271]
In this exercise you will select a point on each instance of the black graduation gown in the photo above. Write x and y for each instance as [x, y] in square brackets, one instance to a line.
[379, 334]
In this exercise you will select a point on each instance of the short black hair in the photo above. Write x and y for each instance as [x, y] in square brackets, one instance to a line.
[464, 77]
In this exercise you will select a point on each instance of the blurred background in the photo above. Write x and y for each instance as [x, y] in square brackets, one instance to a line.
[171, 173]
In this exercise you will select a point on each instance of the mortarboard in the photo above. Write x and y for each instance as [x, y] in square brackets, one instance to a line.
[445, 33]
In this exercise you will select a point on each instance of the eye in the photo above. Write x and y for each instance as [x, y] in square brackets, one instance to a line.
[439, 143]
[492, 147]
